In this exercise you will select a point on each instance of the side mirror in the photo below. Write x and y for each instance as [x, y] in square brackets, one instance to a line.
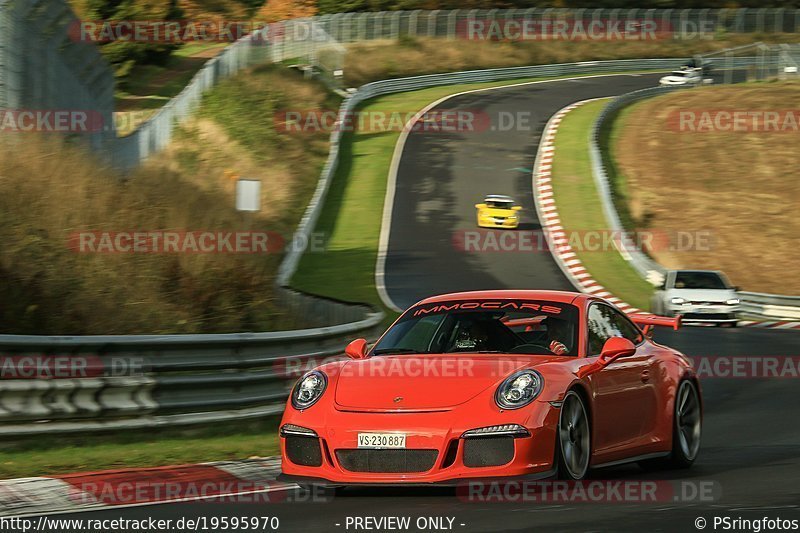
[517, 208]
[480, 206]
[614, 348]
[357, 349]
[736, 288]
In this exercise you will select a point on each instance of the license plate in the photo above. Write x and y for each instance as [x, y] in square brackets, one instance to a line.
[381, 440]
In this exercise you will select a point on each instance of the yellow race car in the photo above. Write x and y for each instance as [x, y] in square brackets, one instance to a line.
[498, 211]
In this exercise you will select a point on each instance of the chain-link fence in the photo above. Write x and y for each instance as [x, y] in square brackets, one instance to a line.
[42, 66]
[44, 69]
[680, 23]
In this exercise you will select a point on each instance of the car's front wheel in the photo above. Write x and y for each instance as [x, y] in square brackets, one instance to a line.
[574, 438]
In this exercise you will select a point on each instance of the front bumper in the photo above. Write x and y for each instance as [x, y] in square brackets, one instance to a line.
[457, 482]
[434, 433]
[489, 222]
[706, 314]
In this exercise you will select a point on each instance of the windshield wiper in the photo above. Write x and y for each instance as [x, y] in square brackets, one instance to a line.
[395, 351]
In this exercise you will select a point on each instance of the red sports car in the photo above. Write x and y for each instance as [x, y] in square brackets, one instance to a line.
[494, 384]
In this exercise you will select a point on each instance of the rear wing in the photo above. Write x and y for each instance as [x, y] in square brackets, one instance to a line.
[647, 322]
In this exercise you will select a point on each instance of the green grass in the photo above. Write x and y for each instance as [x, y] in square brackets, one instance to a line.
[64, 455]
[620, 191]
[149, 87]
[580, 209]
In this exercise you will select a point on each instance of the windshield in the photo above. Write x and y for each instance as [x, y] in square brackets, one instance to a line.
[699, 280]
[499, 204]
[484, 326]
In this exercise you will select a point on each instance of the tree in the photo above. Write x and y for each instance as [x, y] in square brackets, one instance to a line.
[276, 10]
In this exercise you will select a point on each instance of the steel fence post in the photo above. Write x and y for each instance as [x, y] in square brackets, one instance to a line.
[377, 25]
[413, 21]
[778, 20]
[452, 19]
[395, 28]
[433, 27]
[363, 20]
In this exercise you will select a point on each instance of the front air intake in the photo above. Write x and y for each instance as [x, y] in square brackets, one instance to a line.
[303, 451]
[488, 451]
[387, 461]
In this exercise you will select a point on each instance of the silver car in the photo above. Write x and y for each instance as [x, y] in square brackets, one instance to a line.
[686, 76]
[699, 296]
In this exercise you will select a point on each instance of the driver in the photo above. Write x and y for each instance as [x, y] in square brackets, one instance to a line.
[473, 337]
[558, 335]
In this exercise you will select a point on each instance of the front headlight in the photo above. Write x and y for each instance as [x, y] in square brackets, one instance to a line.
[732, 301]
[677, 301]
[309, 389]
[519, 389]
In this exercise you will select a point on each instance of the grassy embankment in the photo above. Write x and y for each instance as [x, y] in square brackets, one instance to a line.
[735, 191]
[50, 191]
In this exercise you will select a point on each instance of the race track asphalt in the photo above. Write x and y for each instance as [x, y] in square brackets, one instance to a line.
[751, 439]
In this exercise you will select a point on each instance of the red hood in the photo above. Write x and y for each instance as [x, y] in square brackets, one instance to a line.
[423, 381]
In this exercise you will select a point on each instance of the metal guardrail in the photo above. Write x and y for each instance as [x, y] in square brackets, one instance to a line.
[770, 306]
[644, 265]
[767, 306]
[128, 382]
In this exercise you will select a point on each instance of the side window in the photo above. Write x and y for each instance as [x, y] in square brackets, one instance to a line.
[605, 322]
[625, 327]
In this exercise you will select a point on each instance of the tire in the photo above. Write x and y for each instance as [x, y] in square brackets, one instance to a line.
[573, 439]
[686, 426]
[681, 456]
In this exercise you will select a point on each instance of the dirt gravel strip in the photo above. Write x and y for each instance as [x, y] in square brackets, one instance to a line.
[565, 256]
[223, 481]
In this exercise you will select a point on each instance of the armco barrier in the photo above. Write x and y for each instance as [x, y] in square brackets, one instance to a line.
[764, 306]
[128, 382]
[770, 306]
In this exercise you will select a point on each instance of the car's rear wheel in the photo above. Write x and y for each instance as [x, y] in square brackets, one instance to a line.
[574, 438]
[687, 425]
[686, 430]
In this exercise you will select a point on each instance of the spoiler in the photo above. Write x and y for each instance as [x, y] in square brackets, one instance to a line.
[648, 321]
